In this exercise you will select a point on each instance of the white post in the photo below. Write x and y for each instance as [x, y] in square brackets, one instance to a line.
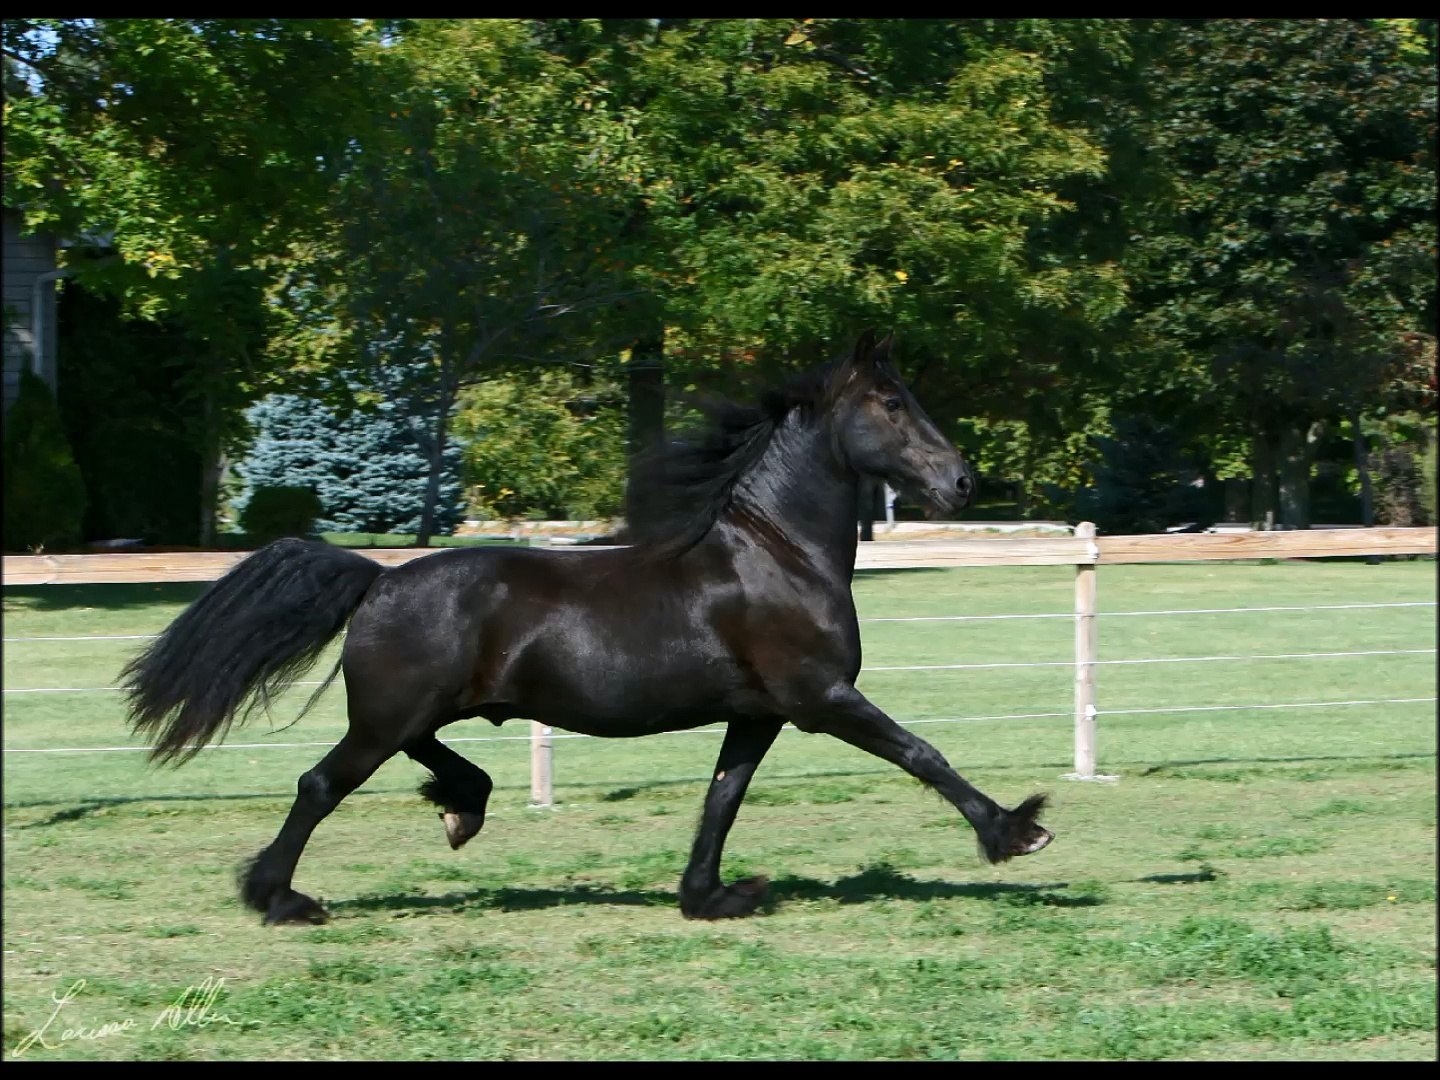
[1085, 656]
[541, 791]
[50, 373]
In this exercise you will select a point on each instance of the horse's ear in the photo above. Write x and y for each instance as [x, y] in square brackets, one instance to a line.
[881, 353]
[863, 348]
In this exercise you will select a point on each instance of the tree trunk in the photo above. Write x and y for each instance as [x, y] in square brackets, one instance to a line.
[645, 406]
[1237, 498]
[645, 379]
[1022, 487]
[1367, 488]
[1296, 452]
[436, 452]
[211, 466]
[1262, 483]
[1362, 466]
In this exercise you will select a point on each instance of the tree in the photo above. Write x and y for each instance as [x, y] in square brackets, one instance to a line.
[474, 224]
[540, 444]
[44, 493]
[1297, 250]
[796, 180]
[125, 413]
[366, 465]
[195, 150]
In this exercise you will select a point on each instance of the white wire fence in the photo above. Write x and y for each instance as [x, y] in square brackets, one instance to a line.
[913, 667]
[721, 731]
[924, 618]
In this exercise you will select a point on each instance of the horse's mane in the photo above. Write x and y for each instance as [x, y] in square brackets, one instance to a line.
[679, 489]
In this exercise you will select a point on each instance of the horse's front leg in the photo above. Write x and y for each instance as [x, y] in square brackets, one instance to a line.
[702, 894]
[847, 714]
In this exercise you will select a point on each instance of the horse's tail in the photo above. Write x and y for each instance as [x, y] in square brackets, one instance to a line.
[248, 637]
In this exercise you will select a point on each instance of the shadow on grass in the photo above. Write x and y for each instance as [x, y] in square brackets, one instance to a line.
[507, 898]
[621, 794]
[91, 806]
[1180, 879]
[879, 882]
[914, 571]
[882, 882]
[104, 597]
[1160, 770]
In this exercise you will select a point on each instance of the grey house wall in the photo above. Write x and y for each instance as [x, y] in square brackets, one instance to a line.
[26, 259]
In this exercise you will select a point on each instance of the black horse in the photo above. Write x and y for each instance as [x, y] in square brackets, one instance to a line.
[732, 605]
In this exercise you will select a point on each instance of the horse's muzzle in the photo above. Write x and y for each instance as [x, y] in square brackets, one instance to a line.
[955, 496]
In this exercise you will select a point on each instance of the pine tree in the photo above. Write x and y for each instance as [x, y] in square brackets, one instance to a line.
[367, 467]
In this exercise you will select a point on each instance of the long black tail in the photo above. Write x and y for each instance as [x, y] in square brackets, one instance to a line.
[248, 637]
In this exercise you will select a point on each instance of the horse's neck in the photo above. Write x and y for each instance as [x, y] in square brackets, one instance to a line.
[804, 494]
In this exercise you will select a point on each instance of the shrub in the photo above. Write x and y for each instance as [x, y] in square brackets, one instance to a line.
[273, 512]
[44, 492]
[543, 447]
[1403, 468]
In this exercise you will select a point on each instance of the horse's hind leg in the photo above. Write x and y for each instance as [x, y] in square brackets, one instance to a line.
[265, 885]
[849, 715]
[702, 895]
[459, 787]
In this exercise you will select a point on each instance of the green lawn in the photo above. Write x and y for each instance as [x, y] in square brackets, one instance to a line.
[1258, 883]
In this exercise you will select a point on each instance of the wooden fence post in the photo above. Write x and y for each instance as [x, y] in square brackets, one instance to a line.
[541, 790]
[1085, 656]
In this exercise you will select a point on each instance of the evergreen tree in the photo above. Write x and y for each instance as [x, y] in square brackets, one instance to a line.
[367, 465]
[44, 493]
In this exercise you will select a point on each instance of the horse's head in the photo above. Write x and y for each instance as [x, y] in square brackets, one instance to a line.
[882, 431]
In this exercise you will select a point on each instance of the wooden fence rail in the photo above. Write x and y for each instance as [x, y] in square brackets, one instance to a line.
[880, 555]
[1085, 551]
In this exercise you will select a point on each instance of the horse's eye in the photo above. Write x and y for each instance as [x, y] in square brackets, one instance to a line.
[893, 404]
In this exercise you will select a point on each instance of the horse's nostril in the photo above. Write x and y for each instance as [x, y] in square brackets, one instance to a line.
[965, 486]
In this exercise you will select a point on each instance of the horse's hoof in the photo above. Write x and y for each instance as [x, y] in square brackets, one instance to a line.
[731, 902]
[295, 908]
[460, 827]
[1040, 839]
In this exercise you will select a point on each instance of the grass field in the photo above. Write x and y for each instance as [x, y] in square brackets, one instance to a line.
[1257, 884]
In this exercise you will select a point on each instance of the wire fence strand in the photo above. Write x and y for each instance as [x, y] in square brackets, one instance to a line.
[721, 730]
[909, 667]
[926, 618]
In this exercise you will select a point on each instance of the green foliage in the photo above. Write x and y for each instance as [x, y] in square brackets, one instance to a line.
[125, 411]
[1144, 482]
[1224, 224]
[543, 446]
[1044, 466]
[44, 492]
[1402, 468]
[473, 220]
[803, 180]
[193, 154]
[1288, 275]
[368, 465]
[274, 512]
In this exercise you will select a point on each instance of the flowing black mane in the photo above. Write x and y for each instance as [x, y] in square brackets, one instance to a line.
[679, 489]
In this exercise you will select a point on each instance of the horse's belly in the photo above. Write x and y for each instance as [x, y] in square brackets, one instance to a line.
[600, 687]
